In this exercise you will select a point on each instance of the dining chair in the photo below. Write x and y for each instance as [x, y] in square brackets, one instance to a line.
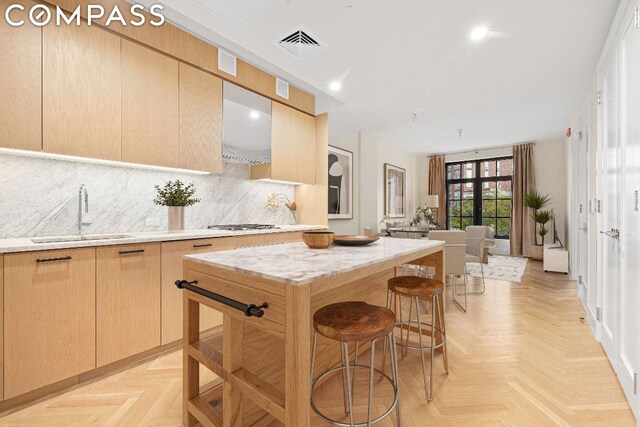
[476, 240]
[455, 265]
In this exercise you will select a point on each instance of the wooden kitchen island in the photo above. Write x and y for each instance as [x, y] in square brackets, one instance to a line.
[264, 363]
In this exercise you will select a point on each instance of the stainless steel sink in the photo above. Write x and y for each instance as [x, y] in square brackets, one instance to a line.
[80, 238]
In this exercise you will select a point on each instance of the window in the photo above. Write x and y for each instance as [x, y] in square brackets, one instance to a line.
[479, 193]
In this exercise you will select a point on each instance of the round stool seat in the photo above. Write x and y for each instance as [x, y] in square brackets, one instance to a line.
[353, 321]
[415, 286]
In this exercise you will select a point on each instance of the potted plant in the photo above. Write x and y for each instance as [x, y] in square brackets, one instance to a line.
[274, 200]
[423, 217]
[176, 195]
[536, 201]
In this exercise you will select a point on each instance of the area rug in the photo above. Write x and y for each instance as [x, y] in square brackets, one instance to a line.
[510, 269]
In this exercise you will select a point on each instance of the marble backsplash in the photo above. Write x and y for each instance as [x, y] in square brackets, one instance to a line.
[39, 197]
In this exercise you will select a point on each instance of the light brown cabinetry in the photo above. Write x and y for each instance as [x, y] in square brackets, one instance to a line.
[81, 92]
[127, 301]
[149, 107]
[172, 253]
[200, 120]
[293, 150]
[20, 88]
[49, 317]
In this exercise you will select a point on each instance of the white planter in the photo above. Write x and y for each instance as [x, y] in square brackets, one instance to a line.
[176, 218]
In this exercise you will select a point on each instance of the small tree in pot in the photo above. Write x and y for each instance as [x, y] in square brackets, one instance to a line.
[176, 196]
[537, 201]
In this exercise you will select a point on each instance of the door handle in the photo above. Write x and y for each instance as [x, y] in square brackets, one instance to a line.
[614, 233]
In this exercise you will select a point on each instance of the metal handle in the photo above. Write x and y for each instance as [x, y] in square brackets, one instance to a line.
[43, 260]
[136, 251]
[614, 233]
[206, 245]
[248, 310]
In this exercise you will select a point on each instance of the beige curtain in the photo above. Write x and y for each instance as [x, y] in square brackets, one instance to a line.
[438, 186]
[522, 225]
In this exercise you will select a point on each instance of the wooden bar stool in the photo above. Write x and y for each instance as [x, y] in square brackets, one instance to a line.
[417, 288]
[356, 322]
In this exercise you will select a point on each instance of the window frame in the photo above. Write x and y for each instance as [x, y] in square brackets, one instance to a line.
[478, 182]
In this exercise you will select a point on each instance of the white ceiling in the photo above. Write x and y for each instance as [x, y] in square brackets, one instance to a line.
[397, 57]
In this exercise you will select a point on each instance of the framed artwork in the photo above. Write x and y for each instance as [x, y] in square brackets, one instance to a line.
[395, 200]
[340, 183]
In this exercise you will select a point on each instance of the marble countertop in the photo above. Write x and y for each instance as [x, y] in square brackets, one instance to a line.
[25, 244]
[296, 264]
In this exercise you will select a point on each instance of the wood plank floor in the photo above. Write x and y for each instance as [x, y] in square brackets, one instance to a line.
[519, 357]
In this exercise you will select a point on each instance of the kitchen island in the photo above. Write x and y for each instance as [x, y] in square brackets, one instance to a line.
[264, 361]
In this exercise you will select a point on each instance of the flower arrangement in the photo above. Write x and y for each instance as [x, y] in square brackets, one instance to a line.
[275, 200]
[176, 193]
[423, 214]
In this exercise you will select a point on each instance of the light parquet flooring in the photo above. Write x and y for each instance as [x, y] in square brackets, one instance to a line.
[519, 357]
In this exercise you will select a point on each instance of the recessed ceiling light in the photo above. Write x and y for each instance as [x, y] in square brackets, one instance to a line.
[254, 115]
[479, 33]
[335, 86]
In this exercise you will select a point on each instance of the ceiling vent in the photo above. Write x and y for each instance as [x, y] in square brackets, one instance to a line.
[282, 88]
[300, 44]
[227, 62]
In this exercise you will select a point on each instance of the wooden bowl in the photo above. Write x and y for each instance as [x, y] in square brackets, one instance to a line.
[318, 239]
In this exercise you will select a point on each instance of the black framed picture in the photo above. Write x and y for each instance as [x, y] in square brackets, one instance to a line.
[340, 183]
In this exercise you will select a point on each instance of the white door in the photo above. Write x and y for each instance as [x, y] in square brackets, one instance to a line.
[610, 174]
[629, 319]
[589, 291]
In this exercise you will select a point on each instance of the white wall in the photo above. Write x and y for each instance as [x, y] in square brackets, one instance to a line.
[371, 152]
[549, 159]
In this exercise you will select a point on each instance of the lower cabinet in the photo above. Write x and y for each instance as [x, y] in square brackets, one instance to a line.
[49, 317]
[172, 253]
[127, 301]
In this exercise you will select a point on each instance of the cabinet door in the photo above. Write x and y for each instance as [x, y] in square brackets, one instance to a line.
[292, 145]
[200, 120]
[172, 253]
[49, 318]
[20, 84]
[128, 301]
[81, 86]
[149, 107]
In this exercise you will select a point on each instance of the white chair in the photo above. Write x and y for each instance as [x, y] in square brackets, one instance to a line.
[476, 236]
[455, 264]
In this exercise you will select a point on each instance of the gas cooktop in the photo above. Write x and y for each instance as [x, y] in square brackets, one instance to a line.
[241, 227]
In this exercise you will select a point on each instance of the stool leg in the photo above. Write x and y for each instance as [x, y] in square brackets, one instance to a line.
[384, 346]
[345, 356]
[371, 371]
[355, 367]
[424, 363]
[399, 302]
[345, 391]
[444, 338]
[393, 354]
[433, 343]
[313, 358]
[405, 349]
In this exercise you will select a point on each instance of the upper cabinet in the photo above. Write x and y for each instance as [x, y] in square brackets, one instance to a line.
[200, 120]
[81, 85]
[20, 86]
[149, 107]
[292, 147]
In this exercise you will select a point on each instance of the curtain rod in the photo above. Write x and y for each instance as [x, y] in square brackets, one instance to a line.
[467, 151]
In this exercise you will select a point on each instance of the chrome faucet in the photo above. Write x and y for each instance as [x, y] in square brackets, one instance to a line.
[82, 209]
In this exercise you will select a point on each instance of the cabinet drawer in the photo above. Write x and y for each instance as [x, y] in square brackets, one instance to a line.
[49, 314]
[128, 301]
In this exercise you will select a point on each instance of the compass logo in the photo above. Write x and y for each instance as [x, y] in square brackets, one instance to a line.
[40, 15]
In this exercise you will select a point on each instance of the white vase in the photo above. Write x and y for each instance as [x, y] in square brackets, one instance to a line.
[176, 218]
